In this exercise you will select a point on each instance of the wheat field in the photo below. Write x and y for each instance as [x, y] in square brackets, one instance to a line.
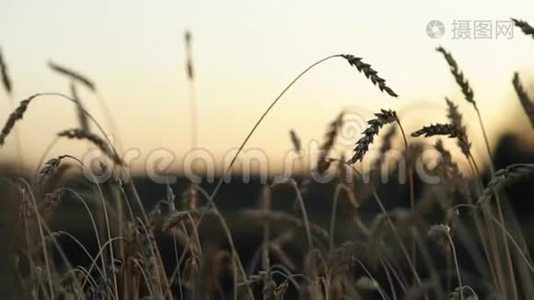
[453, 234]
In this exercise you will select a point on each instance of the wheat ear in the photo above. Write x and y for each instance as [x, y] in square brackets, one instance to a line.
[251, 132]
[455, 119]
[295, 141]
[80, 134]
[468, 93]
[6, 81]
[526, 101]
[525, 27]
[370, 73]
[323, 163]
[15, 116]
[374, 125]
[73, 75]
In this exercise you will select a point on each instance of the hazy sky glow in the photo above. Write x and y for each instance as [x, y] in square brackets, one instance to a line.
[245, 52]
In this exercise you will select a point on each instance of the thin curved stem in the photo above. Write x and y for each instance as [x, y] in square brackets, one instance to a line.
[409, 174]
[194, 114]
[109, 118]
[492, 250]
[260, 120]
[304, 214]
[379, 288]
[520, 250]
[18, 141]
[101, 251]
[240, 149]
[456, 265]
[486, 141]
[40, 223]
[333, 217]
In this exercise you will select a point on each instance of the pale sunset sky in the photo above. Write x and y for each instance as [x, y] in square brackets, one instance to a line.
[245, 52]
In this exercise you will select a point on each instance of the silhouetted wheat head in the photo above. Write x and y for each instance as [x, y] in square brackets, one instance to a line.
[525, 27]
[6, 81]
[362, 145]
[323, 162]
[455, 119]
[295, 141]
[189, 64]
[437, 129]
[370, 73]
[15, 116]
[506, 176]
[458, 76]
[100, 143]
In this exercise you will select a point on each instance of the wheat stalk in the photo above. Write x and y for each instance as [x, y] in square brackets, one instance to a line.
[260, 120]
[526, 101]
[189, 64]
[217, 187]
[525, 27]
[468, 93]
[362, 145]
[505, 176]
[192, 90]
